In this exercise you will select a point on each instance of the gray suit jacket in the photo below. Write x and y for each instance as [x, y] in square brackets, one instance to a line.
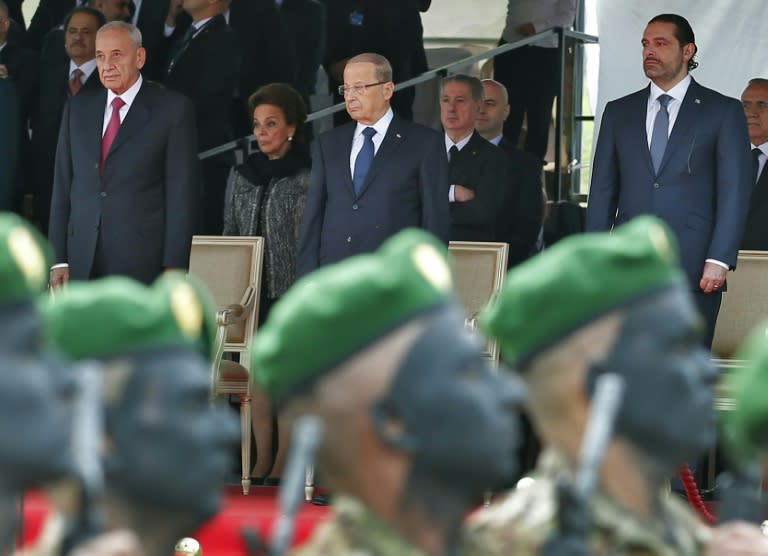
[703, 184]
[141, 211]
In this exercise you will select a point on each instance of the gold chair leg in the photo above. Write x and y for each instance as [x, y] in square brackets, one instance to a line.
[245, 442]
[309, 483]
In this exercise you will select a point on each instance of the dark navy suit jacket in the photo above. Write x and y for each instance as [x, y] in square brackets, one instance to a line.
[407, 186]
[140, 213]
[703, 184]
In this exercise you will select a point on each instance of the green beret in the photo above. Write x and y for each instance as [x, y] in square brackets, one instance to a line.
[24, 260]
[745, 428]
[576, 281]
[340, 309]
[117, 316]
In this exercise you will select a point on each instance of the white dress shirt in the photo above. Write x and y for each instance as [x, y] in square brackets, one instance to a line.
[87, 68]
[128, 97]
[544, 14]
[381, 128]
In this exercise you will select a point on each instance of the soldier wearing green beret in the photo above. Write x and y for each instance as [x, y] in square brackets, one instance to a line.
[593, 304]
[34, 387]
[167, 449]
[417, 424]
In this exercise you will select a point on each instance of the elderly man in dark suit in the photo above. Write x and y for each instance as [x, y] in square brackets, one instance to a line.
[754, 99]
[60, 79]
[477, 171]
[126, 180]
[679, 151]
[371, 177]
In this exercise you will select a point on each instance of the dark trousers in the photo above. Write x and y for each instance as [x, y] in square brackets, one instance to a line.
[531, 77]
[708, 305]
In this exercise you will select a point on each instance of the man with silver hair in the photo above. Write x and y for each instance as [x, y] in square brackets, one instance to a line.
[123, 204]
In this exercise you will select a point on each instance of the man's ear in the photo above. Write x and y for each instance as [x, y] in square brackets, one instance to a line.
[389, 89]
[390, 428]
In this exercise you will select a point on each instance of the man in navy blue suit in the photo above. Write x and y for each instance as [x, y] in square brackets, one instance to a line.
[679, 151]
[373, 176]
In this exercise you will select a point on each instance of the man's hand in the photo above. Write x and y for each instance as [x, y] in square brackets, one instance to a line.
[713, 278]
[59, 277]
[462, 194]
[174, 9]
[4, 71]
[526, 29]
[737, 538]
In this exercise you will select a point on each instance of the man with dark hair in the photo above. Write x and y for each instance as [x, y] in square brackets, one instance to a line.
[68, 70]
[477, 171]
[126, 182]
[372, 177]
[417, 424]
[679, 151]
[754, 99]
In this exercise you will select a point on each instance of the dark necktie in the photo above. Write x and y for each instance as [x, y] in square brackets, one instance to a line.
[452, 152]
[112, 128]
[660, 133]
[756, 164]
[188, 36]
[74, 82]
[364, 160]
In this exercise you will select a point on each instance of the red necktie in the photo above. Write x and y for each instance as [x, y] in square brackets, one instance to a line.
[74, 82]
[112, 128]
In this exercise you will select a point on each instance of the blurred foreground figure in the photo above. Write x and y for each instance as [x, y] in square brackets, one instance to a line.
[417, 425]
[166, 448]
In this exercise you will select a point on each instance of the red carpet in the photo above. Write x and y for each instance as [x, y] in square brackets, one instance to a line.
[221, 536]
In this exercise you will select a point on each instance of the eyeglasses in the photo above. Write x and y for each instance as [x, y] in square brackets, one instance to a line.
[344, 90]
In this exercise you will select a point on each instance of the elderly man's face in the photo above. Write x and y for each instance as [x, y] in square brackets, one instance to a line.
[458, 110]
[754, 99]
[118, 60]
[367, 100]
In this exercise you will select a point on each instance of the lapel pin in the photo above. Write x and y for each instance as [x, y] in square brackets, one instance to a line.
[398, 136]
[696, 101]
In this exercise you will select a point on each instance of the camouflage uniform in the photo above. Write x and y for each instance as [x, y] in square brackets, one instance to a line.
[524, 520]
[355, 531]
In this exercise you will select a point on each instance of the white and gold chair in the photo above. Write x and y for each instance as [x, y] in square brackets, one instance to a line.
[231, 268]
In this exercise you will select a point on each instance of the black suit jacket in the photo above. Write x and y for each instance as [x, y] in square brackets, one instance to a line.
[305, 21]
[523, 207]
[15, 13]
[756, 228]
[54, 93]
[139, 214]
[207, 72]
[406, 186]
[48, 15]
[151, 23]
[483, 168]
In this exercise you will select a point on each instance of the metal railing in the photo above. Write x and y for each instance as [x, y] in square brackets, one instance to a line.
[562, 35]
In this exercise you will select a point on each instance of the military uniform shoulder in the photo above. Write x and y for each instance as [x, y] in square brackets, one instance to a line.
[522, 519]
[355, 531]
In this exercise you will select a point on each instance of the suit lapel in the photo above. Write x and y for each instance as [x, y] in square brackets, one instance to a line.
[639, 133]
[392, 141]
[134, 122]
[759, 192]
[94, 125]
[688, 114]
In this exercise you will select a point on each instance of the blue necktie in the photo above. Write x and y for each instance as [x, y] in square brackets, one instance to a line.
[755, 165]
[660, 133]
[364, 160]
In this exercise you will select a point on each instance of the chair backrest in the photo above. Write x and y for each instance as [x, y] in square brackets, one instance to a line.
[745, 304]
[229, 265]
[479, 270]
